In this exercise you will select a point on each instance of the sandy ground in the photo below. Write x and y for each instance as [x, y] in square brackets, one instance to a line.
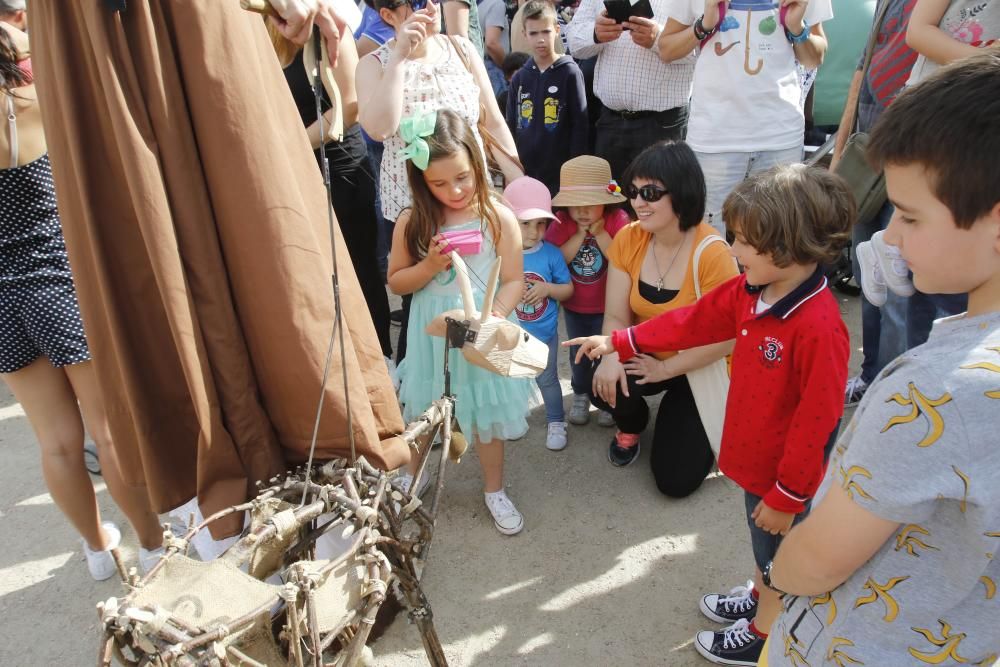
[607, 571]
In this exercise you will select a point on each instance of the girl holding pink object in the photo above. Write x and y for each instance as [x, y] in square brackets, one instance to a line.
[451, 193]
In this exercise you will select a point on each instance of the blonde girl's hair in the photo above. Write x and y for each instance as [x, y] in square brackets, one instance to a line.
[284, 48]
[451, 136]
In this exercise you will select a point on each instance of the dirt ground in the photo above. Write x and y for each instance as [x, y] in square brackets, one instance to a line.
[607, 571]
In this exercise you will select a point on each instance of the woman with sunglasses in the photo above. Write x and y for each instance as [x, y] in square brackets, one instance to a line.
[418, 72]
[652, 262]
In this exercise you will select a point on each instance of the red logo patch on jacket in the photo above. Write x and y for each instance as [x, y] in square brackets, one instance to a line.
[771, 350]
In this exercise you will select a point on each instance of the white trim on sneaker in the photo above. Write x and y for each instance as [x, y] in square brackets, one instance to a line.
[895, 273]
[738, 603]
[579, 411]
[506, 518]
[555, 436]
[872, 280]
[855, 391]
[102, 563]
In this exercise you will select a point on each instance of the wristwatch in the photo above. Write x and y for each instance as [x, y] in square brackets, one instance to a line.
[801, 37]
[765, 576]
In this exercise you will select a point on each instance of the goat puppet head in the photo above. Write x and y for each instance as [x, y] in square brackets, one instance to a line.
[498, 345]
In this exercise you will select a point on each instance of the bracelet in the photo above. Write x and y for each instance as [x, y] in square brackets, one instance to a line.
[801, 37]
[699, 29]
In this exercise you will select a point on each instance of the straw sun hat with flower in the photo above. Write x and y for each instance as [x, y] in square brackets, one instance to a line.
[586, 181]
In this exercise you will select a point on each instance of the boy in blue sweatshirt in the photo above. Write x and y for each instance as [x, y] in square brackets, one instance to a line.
[547, 102]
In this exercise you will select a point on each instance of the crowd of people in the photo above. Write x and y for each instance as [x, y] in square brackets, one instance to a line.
[643, 177]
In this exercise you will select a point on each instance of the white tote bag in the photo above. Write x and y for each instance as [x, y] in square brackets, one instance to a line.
[709, 384]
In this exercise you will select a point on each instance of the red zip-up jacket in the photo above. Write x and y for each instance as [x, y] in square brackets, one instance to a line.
[786, 394]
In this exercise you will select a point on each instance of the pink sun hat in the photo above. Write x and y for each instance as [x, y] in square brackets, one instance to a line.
[529, 199]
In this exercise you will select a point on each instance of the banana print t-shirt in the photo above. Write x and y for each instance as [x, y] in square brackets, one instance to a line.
[923, 449]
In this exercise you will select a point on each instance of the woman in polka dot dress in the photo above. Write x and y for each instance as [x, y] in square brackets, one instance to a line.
[43, 352]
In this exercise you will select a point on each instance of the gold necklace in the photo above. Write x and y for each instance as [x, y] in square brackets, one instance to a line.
[656, 262]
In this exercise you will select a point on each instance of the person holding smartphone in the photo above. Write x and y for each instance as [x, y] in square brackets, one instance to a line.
[746, 115]
[645, 100]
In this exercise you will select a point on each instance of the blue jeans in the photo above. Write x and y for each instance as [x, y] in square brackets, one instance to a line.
[764, 544]
[581, 324]
[922, 309]
[497, 78]
[724, 171]
[548, 384]
[883, 330]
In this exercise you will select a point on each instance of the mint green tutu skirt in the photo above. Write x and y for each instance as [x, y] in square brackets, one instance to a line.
[487, 405]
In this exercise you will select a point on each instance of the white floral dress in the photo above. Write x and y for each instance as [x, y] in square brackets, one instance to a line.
[445, 84]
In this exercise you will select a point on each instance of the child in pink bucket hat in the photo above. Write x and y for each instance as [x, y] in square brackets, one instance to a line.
[583, 231]
[546, 282]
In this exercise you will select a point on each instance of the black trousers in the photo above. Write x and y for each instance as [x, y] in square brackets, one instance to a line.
[618, 139]
[681, 456]
[354, 203]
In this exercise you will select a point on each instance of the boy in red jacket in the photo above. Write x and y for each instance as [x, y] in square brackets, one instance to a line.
[788, 371]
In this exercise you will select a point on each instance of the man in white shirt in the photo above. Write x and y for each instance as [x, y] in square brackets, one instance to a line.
[645, 100]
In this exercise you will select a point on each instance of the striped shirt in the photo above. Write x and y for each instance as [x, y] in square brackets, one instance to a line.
[892, 59]
[628, 77]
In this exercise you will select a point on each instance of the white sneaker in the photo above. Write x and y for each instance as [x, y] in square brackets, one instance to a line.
[872, 280]
[894, 269]
[148, 558]
[555, 439]
[506, 518]
[579, 412]
[102, 563]
[605, 418]
[406, 481]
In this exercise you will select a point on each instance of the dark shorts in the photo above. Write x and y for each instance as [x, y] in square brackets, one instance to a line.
[764, 544]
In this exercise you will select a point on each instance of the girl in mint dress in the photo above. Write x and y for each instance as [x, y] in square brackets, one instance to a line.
[451, 193]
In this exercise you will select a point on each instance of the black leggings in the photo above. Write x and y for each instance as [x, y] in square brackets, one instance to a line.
[354, 203]
[681, 456]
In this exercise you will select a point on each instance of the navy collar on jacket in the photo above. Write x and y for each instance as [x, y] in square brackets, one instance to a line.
[788, 304]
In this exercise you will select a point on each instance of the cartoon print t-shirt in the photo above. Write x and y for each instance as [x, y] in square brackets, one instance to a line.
[921, 451]
[589, 268]
[746, 88]
[972, 22]
[543, 263]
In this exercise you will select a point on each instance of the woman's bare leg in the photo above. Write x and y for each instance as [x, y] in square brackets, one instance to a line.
[133, 500]
[48, 400]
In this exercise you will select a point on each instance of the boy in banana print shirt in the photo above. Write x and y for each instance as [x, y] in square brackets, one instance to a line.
[899, 564]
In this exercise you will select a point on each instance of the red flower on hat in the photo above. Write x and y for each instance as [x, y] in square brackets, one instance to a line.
[614, 188]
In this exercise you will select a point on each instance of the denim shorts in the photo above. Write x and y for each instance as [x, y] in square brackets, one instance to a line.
[764, 544]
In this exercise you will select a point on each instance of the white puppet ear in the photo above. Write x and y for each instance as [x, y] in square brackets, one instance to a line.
[462, 275]
[491, 288]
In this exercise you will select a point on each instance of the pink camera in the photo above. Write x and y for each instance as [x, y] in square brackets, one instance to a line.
[465, 242]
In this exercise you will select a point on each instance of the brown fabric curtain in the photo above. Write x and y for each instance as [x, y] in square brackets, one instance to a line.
[195, 219]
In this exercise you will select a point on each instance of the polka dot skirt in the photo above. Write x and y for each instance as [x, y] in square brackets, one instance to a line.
[39, 313]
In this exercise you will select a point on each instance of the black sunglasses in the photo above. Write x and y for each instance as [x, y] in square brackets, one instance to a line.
[649, 193]
[415, 5]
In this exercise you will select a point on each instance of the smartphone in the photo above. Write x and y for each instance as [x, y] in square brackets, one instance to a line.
[621, 10]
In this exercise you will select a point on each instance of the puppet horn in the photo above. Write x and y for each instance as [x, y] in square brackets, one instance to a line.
[462, 274]
[491, 288]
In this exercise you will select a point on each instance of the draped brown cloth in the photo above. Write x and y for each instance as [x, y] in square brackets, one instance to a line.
[196, 224]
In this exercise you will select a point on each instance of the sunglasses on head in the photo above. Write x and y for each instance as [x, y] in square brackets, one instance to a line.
[649, 193]
[415, 5]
